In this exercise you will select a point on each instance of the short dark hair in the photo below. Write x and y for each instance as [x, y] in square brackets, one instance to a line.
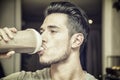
[77, 19]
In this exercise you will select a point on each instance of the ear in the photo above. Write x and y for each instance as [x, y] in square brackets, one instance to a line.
[77, 39]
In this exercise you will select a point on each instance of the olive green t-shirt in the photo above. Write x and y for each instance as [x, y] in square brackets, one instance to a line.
[38, 75]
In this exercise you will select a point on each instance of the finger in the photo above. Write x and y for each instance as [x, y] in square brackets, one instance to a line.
[7, 55]
[8, 32]
[4, 56]
[4, 35]
[13, 29]
[10, 53]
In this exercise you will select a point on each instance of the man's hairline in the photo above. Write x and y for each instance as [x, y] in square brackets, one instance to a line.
[68, 22]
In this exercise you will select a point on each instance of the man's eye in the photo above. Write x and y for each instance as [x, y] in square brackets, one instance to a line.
[53, 31]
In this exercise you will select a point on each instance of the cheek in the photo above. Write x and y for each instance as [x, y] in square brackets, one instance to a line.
[60, 42]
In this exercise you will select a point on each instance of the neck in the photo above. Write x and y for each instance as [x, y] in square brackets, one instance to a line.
[69, 69]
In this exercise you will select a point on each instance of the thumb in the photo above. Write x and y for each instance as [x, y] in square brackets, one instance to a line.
[10, 53]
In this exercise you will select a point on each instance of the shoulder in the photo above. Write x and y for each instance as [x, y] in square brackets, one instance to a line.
[23, 75]
[12, 76]
[90, 77]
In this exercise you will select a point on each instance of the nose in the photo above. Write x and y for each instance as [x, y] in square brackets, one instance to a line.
[44, 36]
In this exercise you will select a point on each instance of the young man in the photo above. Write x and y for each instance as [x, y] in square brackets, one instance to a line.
[63, 31]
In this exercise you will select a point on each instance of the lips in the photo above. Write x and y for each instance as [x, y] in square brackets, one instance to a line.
[41, 50]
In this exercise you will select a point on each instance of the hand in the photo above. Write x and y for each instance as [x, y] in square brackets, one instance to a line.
[6, 34]
[7, 55]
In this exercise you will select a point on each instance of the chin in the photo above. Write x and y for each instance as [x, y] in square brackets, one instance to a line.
[46, 60]
[50, 62]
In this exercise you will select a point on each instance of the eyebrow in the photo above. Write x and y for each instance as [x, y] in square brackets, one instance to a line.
[51, 27]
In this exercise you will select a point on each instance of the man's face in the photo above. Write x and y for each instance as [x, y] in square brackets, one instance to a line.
[55, 38]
